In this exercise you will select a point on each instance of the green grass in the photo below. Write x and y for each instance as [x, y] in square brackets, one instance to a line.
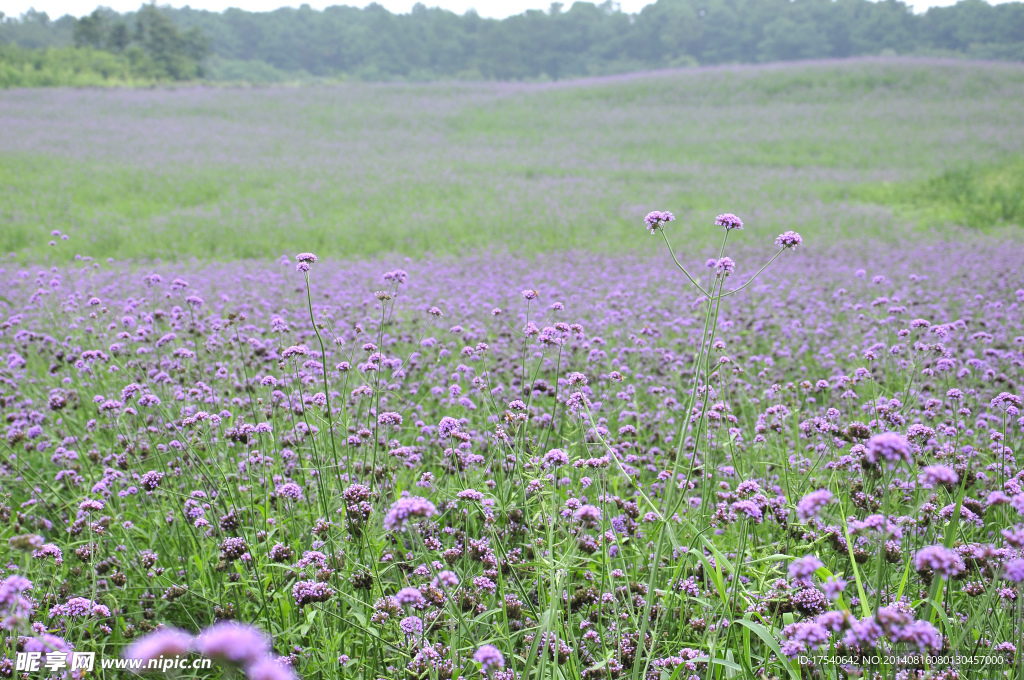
[117, 205]
[864, 149]
[974, 196]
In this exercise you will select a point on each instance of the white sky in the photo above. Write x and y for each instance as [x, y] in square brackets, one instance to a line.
[486, 8]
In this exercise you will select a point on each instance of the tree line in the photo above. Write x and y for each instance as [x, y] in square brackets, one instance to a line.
[136, 48]
[584, 39]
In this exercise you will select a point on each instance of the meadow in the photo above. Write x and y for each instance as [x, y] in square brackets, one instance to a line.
[837, 148]
[410, 382]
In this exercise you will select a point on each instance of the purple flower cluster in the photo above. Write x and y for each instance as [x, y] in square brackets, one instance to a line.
[789, 239]
[939, 475]
[407, 508]
[587, 514]
[861, 637]
[890, 447]
[725, 266]
[939, 559]
[305, 261]
[230, 643]
[804, 567]
[308, 592]
[656, 218]
[410, 597]
[489, 657]
[811, 504]
[79, 607]
[169, 642]
[729, 221]
[15, 606]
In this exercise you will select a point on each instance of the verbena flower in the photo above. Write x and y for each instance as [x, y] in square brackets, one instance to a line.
[833, 587]
[729, 221]
[788, 239]
[939, 475]
[588, 514]
[889, 446]
[408, 508]
[1013, 571]
[308, 592]
[489, 658]
[169, 642]
[940, 560]
[233, 642]
[804, 567]
[410, 597]
[656, 219]
[270, 668]
[725, 266]
[812, 504]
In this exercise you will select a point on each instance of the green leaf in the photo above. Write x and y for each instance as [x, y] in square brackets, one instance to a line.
[865, 610]
[714, 575]
[823, 573]
[773, 644]
[721, 662]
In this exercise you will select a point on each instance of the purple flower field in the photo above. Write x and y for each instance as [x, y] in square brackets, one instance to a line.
[569, 465]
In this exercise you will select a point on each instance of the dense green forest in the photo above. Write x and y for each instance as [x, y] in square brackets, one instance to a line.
[584, 39]
[144, 47]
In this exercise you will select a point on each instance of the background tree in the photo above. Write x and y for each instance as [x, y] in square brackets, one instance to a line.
[562, 42]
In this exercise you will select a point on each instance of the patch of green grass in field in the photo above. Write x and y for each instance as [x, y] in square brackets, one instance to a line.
[117, 209]
[973, 196]
[361, 169]
[112, 206]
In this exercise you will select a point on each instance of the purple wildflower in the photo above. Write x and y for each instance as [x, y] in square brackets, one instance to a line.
[165, 642]
[412, 626]
[79, 607]
[725, 266]
[1013, 571]
[656, 218]
[748, 508]
[448, 579]
[307, 592]
[939, 475]
[888, 446]
[804, 567]
[788, 239]
[587, 514]
[555, 458]
[940, 560]
[489, 657]
[270, 668]
[405, 509]
[812, 504]
[410, 597]
[833, 587]
[49, 550]
[290, 490]
[389, 419]
[233, 642]
[729, 221]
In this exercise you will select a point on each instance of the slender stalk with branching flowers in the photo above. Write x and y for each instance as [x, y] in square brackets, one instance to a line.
[700, 383]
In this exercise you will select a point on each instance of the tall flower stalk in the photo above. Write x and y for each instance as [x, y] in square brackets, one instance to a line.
[700, 384]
